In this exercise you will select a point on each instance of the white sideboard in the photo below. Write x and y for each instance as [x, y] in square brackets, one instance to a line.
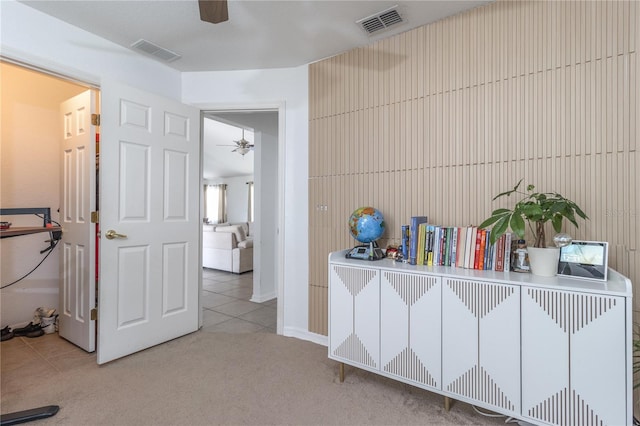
[548, 350]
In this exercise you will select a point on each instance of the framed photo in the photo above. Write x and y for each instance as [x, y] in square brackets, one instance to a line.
[585, 260]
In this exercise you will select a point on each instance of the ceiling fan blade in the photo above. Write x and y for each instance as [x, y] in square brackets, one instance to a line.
[214, 11]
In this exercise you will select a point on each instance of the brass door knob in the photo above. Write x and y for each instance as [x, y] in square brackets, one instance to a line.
[111, 234]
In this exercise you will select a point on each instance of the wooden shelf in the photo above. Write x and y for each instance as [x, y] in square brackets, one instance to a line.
[14, 232]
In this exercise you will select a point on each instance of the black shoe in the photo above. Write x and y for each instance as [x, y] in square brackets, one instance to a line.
[30, 330]
[6, 333]
[35, 333]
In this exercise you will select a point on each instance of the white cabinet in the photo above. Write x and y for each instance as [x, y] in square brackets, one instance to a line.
[481, 343]
[410, 328]
[573, 358]
[552, 351]
[354, 317]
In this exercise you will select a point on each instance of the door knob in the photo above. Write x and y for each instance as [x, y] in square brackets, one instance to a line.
[111, 234]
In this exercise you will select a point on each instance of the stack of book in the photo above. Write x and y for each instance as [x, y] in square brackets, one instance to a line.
[460, 247]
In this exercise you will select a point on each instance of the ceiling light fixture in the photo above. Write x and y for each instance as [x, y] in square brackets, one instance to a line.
[242, 151]
[242, 146]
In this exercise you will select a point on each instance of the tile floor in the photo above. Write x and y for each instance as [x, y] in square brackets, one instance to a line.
[225, 299]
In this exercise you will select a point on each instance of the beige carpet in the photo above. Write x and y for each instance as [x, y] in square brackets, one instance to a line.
[217, 378]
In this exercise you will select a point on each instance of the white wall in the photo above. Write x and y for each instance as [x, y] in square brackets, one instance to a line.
[237, 196]
[257, 88]
[30, 36]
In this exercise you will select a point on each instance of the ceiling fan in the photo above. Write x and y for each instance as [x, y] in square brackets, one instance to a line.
[242, 146]
[214, 11]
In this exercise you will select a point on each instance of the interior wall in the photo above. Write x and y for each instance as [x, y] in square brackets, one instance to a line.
[440, 119]
[259, 89]
[237, 198]
[30, 177]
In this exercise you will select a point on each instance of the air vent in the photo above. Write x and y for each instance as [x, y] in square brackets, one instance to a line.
[155, 50]
[381, 20]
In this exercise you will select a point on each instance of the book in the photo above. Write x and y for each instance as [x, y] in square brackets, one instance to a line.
[483, 246]
[448, 237]
[404, 243]
[476, 254]
[467, 246]
[472, 249]
[413, 237]
[437, 242]
[454, 246]
[460, 250]
[430, 232]
[507, 251]
[499, 265]
[487, 248]
[422, 234]
[494, 255]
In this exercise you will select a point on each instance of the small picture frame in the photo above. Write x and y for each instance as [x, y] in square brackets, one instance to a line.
[584, 260]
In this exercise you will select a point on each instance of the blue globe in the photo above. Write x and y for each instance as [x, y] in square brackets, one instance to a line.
[366, 224]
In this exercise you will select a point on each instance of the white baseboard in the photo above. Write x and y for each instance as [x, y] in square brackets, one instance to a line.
[302, 334]
[260, 298]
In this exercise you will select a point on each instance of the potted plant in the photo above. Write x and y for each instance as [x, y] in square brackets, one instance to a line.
[536, 209]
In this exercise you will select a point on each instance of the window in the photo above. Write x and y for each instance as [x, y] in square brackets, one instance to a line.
[250, 203]
[215, 206]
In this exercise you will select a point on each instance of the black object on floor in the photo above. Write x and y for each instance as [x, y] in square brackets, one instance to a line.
[6, 334]
[28, 415]
[30, 330]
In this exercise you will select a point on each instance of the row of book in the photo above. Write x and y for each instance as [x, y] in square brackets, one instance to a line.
[461, 247]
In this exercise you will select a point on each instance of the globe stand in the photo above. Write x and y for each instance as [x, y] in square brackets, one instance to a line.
[369, 251]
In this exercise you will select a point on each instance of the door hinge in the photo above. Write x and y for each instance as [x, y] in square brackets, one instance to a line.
[95, 119]
[95, 217]
[94, 314]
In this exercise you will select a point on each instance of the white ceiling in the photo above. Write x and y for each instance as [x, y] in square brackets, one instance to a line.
[259, 34]
[218, 159]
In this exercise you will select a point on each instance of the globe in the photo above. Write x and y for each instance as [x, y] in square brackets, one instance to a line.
[366, 224]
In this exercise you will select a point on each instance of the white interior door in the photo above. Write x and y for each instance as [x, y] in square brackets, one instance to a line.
[149, 195]
[77, 268]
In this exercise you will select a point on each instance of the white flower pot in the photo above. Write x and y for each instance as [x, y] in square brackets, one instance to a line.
[544, 261]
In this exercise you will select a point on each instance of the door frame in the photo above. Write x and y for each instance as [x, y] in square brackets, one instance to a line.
[278, 107]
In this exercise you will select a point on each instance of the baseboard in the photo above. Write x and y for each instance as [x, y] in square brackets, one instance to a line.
[301, 334]
[260, 298]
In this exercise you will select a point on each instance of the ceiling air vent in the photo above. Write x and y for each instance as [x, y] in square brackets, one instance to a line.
[380, 20]
[155, 50]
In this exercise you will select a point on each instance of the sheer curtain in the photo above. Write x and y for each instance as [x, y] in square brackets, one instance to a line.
[215, 206]
[250, 202]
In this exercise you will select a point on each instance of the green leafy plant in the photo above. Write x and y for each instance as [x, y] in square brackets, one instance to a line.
[534, 208]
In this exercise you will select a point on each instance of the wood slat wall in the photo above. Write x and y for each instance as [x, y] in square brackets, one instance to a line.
[440, 119]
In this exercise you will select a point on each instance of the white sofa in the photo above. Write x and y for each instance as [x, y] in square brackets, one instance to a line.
[227, 247]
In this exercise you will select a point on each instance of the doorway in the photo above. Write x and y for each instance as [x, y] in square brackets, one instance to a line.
[31, 175]
[264, 124]
[167, 209]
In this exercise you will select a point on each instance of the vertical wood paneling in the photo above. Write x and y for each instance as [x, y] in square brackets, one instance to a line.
[441, 118]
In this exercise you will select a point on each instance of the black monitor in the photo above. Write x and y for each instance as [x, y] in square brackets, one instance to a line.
[584, 259]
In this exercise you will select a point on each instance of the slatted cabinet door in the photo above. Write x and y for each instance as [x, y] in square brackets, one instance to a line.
[354, 316]
[410, 327]
[572, 364]
[481, 343]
